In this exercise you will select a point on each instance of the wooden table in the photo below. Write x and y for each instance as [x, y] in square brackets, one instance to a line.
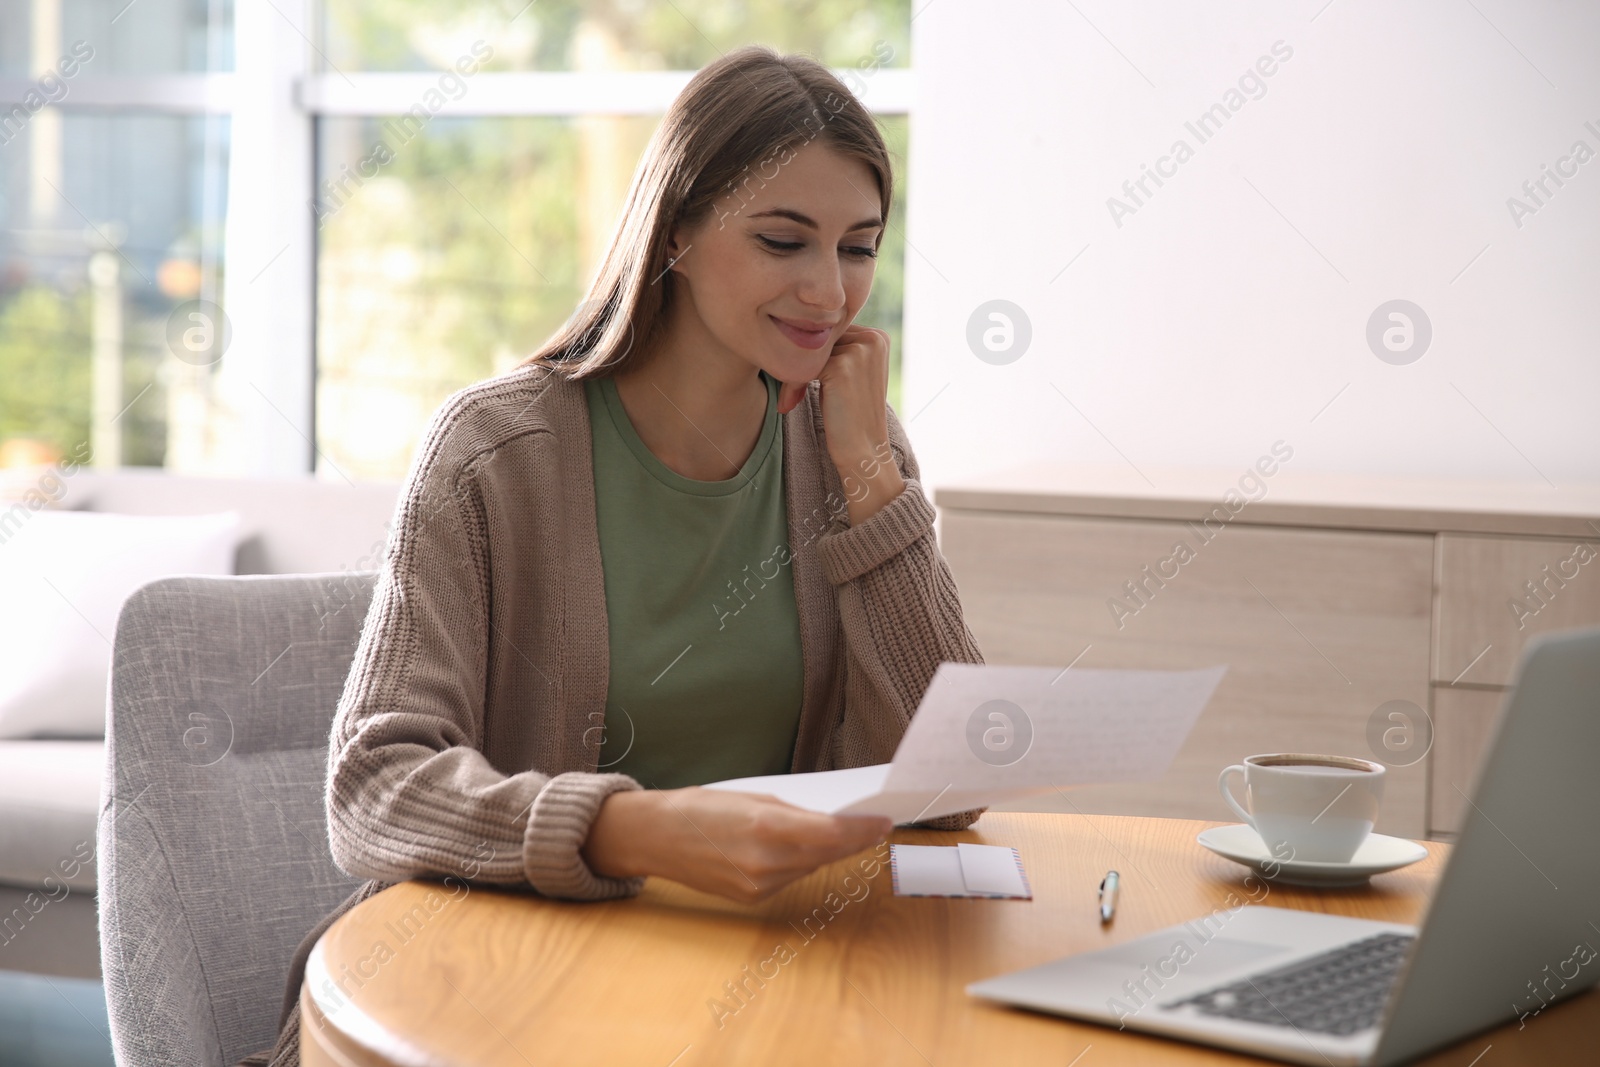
[492, 977]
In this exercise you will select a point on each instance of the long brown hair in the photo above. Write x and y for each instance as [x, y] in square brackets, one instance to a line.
[723, 138]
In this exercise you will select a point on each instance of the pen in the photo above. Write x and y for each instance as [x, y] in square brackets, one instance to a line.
[1108, 896]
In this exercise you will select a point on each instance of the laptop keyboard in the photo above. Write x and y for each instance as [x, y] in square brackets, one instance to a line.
[1339, 992]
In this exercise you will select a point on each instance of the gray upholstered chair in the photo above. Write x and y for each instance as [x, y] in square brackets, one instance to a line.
[213, 846]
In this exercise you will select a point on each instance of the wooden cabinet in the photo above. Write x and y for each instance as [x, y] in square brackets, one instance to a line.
[1463, 724]
[1377, 619]
[1496, 592]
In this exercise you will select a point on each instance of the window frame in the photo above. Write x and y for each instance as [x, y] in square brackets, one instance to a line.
[274, 99]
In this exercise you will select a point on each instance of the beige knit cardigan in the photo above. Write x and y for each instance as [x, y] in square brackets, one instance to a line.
[467, 737]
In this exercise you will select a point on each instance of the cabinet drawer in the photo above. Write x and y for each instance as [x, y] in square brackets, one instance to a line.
[1318, 628]
[1494, 593]
[1463, 720]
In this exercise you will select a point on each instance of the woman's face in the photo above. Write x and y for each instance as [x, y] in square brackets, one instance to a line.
[799, 248]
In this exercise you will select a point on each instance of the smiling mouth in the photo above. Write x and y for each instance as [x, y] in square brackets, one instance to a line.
[801, 337]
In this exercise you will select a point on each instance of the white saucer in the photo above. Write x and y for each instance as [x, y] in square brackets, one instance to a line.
[1377, 854]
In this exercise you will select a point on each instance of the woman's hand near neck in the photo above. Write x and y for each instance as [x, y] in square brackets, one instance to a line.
[700, 409]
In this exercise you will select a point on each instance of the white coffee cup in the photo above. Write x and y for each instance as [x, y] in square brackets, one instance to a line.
[1308, 807]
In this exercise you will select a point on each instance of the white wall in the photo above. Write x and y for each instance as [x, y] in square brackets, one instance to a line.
[1231, 308]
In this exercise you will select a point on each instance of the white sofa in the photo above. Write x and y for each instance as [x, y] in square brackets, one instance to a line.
[49, 789]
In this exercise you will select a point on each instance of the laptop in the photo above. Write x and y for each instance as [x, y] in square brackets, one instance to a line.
[1511, 927]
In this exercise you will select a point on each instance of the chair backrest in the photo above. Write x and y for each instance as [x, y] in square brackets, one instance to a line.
[212, 839]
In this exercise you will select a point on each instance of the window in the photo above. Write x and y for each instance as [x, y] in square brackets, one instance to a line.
[113, 199]
[319, 329]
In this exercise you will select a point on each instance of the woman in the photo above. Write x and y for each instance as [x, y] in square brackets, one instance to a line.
[585, 590]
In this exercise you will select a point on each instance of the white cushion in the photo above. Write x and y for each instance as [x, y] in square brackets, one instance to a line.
[63, 578]
[49, 796]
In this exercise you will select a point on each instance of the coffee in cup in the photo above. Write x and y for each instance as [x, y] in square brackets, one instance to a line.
[1308, 807]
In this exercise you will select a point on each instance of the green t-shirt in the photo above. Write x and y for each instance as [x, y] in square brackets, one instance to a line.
[705, 674]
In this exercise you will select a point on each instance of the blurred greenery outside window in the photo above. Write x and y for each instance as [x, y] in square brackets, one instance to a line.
[109, 220]
[468, 245]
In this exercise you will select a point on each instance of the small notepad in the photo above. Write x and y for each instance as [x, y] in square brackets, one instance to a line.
[992, 871]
